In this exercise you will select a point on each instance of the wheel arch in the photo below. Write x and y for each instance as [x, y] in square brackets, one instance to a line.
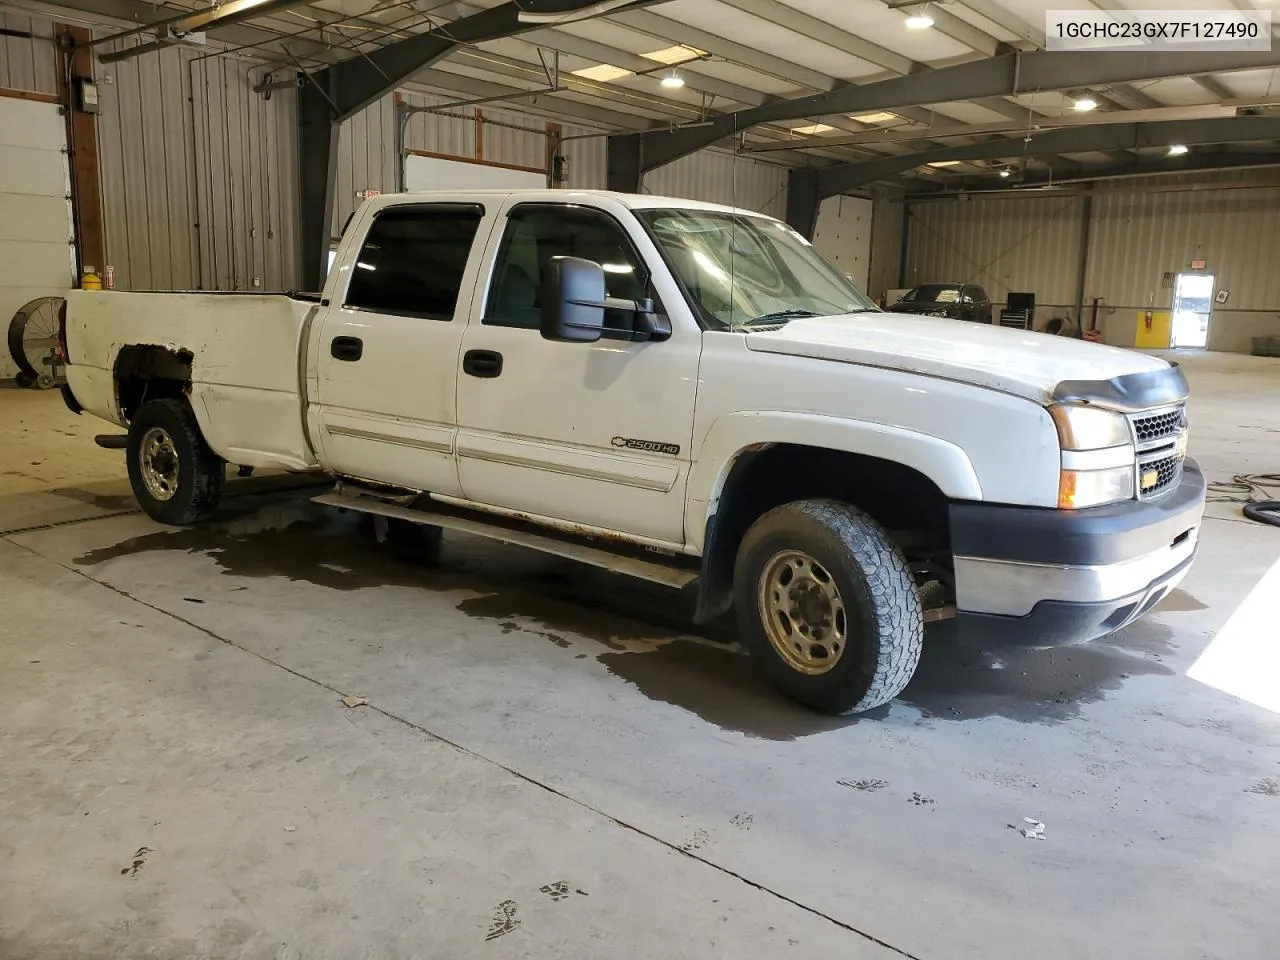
[904, 480]
[143, 372]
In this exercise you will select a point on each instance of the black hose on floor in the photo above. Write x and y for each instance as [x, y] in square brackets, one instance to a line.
[1250, 489]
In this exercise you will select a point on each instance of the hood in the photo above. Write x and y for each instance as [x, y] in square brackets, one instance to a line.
[1019, 362]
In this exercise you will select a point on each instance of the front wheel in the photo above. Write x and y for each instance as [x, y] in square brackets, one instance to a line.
[175, 477]
[827, 606]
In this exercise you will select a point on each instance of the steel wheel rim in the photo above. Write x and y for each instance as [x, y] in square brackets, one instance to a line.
[802, 612]
[158, 463]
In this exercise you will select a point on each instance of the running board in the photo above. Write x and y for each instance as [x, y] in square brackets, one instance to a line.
[669, 575]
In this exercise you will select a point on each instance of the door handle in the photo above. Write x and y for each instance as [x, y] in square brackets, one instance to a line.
[482, 363]
[346, 348]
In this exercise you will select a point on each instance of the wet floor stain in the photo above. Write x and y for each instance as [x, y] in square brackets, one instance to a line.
[961, 681]
[721, 686]
[112, 502]
[643, 634]
[1178, 600]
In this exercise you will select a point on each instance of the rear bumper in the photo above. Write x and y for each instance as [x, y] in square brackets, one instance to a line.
[1037, 577]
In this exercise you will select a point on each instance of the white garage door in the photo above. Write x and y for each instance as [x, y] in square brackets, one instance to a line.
[36, 256]
[843, 236]
[437, 173]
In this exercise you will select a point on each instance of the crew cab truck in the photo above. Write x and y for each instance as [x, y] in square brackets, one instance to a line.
[682, 392]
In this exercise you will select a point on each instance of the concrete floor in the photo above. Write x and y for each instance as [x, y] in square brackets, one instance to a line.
[551, 763]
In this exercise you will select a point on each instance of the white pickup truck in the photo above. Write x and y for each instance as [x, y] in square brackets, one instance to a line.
[682, 392]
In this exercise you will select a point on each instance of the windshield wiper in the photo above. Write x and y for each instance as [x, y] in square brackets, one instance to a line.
[777, 316]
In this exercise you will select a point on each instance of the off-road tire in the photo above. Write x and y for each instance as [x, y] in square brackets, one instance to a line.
[885, 624]
[201, 472]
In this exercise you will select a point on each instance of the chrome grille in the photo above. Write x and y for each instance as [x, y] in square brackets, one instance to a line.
[1156, 476]
[1159, 439]
[1158, 426]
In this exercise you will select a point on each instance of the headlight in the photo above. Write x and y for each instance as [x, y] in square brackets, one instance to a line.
[1089, 428]
[1097, 456]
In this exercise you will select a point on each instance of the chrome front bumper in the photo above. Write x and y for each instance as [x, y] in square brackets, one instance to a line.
[1054, 577]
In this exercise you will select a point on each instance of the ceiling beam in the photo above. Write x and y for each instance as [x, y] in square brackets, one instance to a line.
[1145, 167]
[883, 135]
[789, 18]
[1011, 22]
[1102, 137]
[1213, 85]
[1001, 76]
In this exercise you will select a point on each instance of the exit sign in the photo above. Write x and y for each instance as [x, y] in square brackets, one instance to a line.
[1199, 264]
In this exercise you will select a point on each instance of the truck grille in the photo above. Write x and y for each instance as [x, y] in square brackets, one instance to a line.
[1159, 436]
[1158, 426]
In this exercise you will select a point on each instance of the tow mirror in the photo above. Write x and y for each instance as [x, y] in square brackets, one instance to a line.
[574, 303]
[573, 300]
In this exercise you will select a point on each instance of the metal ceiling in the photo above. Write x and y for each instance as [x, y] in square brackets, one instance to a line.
[866, 86]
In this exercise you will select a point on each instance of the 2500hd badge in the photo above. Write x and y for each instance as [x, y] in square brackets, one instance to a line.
[648, 446]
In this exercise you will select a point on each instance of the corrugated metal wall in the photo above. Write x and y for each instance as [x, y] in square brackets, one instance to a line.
[717, 176]
[366, 156]
[198, 174]
[1141, 235]
[1014, 243]
[887, 214]
[28, 63]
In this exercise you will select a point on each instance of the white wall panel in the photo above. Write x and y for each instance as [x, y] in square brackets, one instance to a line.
[843, 236]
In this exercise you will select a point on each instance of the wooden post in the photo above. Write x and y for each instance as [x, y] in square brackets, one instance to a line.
[75, 62]
[479, 134]
[553, 151]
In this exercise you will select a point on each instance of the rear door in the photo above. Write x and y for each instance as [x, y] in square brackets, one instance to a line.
[383, 368]
[591, 434]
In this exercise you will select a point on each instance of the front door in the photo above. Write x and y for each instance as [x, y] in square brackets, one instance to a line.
[385, 363]
[592, 434]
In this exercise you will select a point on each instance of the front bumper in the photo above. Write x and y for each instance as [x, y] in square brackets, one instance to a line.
[1041, 578]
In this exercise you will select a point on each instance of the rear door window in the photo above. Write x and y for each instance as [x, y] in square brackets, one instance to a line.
[413, 260]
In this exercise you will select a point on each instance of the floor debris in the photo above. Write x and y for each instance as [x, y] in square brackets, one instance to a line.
[1033, 829]
[351, 700]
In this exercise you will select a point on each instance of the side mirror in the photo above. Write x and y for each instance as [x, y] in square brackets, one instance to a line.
[573, 300]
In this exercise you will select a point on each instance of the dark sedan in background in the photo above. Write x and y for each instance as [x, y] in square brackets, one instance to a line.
[959, 301]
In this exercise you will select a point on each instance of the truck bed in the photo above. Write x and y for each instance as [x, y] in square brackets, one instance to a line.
[244, 350]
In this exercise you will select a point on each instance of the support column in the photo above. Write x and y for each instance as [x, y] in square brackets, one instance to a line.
[625, 153]
[803, 200]
[317, 163]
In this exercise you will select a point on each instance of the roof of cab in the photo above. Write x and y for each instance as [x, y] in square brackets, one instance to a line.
[635, 201]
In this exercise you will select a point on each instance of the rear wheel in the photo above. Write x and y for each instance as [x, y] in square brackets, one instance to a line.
[828, 606]
[176, 478]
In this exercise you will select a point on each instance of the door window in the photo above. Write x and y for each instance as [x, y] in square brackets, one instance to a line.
[537, 232]
[413, 260]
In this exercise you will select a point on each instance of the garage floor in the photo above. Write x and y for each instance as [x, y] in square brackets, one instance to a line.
[551, 763]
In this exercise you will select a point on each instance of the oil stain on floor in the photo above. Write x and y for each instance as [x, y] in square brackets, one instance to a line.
[644, 634]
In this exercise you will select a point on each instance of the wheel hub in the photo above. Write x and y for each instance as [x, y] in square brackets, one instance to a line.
[802, 612]
[158, 460]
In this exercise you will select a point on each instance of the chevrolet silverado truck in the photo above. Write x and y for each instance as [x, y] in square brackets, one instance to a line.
[681, 392]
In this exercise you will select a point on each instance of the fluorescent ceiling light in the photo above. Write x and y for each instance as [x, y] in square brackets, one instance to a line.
[919, 21]
[677, 54]
[812, 129]
[603, 73]
[1084, 105]
[944, 163]
[673, 80]
[1177, 150]
[873, 117]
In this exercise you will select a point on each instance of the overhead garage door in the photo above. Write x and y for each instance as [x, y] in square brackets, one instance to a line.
[36, 255]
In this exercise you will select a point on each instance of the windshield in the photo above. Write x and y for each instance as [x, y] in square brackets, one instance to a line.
[741, 270]
[933, 293]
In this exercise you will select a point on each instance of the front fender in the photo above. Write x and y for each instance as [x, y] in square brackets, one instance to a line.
[946, 464]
